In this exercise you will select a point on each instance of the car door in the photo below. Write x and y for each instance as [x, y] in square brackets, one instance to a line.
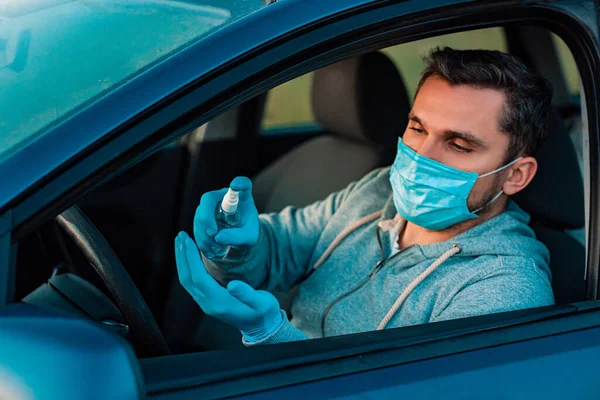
[529, 354]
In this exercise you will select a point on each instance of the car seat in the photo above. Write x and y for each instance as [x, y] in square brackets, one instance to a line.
[555, 201]
[362, 105]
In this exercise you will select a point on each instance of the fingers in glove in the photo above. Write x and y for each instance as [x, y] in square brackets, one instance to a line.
[183, 268]
[237, 236]
[205, 224]
[243, 185]
[247, 295]
[201, 279]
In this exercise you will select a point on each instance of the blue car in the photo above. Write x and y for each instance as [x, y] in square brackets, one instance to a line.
[116, 116]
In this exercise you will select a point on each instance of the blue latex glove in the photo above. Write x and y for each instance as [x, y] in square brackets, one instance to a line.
[205, 226]
[255, 313]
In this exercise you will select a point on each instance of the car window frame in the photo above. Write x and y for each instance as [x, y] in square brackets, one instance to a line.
[352, 43]
[8, 253]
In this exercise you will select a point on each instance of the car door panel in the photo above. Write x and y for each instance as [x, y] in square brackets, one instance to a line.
[542, 368]
[289, 366]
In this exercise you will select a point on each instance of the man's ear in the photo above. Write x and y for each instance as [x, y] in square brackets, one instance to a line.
[519, 176]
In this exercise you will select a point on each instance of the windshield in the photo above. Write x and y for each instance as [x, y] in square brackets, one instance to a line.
[56, 55]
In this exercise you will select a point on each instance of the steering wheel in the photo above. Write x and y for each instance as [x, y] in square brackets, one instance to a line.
[145, 334]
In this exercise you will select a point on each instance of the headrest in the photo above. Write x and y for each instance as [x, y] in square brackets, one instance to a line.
[555, 196]
[362, 98]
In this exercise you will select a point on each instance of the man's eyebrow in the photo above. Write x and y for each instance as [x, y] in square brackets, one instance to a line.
[466, 136]
[413, 117]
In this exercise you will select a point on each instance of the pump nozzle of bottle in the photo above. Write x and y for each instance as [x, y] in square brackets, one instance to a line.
[230, 201]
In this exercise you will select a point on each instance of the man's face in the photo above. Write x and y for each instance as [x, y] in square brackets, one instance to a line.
[458, 126]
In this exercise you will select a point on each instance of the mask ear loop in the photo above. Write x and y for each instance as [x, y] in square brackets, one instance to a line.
[499, 169]
[489, 202]
[501, 192]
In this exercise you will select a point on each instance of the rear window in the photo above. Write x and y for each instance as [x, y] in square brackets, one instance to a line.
[568, 65]
[288, 107]
[408, 57]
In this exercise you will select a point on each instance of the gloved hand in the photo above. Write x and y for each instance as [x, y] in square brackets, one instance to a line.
[255, 313]
[205, 225]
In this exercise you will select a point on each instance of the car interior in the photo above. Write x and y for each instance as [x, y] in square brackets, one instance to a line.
[298, 142]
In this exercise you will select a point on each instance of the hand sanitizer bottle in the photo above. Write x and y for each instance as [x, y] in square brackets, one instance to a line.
[227, 216]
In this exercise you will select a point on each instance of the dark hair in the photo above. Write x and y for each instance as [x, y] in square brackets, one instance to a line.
[528, 95]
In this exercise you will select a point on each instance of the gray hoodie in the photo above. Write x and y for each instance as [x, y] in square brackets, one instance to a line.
[340, 252]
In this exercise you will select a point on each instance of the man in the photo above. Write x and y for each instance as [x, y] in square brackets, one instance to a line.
[432, 238]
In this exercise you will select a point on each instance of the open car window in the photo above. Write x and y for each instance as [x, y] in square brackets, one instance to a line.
[207, 146]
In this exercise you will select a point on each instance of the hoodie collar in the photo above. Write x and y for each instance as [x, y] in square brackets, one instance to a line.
[389, 210]
[390, 224]
[506, 233]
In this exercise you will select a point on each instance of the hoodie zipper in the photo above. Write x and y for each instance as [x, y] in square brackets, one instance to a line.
[362, 283]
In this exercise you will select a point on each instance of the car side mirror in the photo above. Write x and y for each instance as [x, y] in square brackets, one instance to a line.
[46, 354]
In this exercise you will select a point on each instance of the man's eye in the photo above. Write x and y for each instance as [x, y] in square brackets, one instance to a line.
[460, 148]
[419, 131]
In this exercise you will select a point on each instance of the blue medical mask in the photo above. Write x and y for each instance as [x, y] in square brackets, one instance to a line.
[431, 194]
